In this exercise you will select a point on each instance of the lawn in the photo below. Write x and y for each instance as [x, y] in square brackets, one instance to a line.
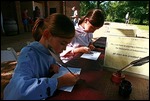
[143, 27]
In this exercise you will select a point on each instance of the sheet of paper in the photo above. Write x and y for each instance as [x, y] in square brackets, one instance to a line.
[93, 55]
[121, 51]
[63, 71]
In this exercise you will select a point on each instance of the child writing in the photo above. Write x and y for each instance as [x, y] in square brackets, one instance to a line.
[82, 42]
[31, 79]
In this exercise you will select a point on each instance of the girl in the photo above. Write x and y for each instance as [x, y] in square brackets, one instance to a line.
[31, 79]
[82, 42]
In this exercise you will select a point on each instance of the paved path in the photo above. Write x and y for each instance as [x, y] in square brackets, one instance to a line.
[113, 28]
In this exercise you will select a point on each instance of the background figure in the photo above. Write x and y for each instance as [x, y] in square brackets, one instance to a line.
[74, 17]
[127, 18]
[36, 13]
[25, 20]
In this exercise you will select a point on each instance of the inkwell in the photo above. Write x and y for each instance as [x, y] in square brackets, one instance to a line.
[125, 86]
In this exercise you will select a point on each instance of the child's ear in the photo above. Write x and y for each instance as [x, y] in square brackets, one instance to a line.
[86, 19]
[46, 34]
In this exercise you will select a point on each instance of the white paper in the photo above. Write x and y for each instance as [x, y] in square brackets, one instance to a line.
[93, 55]
[63, 71]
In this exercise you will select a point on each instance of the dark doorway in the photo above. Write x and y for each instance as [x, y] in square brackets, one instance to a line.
[52, 10]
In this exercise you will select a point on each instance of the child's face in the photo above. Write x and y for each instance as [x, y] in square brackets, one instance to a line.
[88, 27]
[59, 44]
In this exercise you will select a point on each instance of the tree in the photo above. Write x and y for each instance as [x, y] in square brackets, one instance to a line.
[98, 3]
[87, 5]
[116, 10]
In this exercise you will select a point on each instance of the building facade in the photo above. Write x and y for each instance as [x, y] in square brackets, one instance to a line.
[13, 9]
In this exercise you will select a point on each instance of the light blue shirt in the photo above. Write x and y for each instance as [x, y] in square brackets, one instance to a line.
[81, 38]
[31, 80]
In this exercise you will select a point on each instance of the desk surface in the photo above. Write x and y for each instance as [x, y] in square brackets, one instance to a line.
[96, 84]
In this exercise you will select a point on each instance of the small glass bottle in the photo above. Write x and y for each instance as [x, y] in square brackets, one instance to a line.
[125, 88]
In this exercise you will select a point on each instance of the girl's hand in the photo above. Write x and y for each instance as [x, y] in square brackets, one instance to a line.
[86, 49]
[92, 47]
[67, 80]
[82, 49]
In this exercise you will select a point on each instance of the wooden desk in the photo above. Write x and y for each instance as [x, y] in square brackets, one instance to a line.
[96, 84]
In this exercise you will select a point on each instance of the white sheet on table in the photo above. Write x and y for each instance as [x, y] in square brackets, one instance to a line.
[63, 71]
[93, 56]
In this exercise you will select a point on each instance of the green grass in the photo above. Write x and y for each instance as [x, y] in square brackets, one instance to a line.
[143, 27]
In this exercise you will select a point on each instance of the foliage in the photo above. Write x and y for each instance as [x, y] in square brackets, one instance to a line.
[85, 6]
[116, 10]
